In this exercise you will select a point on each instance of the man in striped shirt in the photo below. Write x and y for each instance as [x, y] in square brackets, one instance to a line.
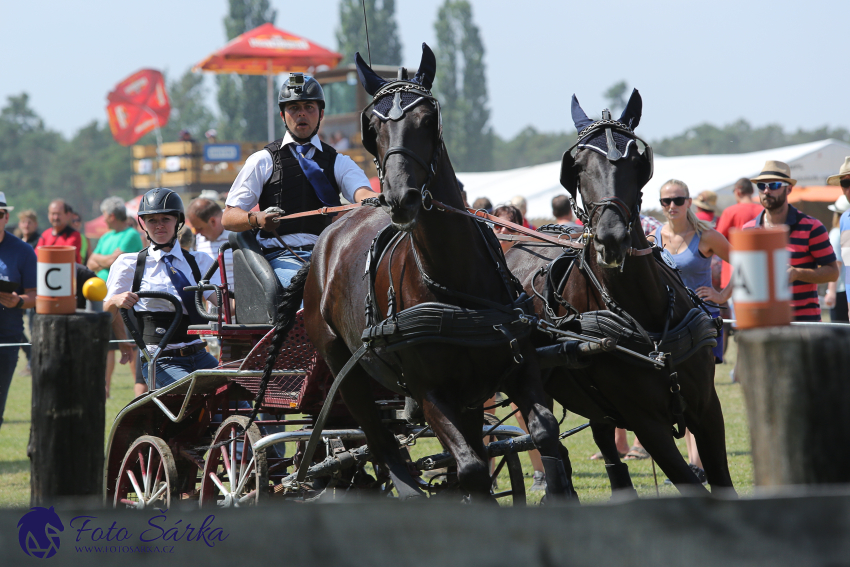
[812, 259]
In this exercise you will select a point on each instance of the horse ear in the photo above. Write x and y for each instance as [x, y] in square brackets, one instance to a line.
[568, 173]
[368, 78]
[580, 119]
[427, 68]
[631, 114]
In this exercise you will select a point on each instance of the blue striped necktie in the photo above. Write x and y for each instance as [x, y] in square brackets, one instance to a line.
[180, 281]
[324, 190]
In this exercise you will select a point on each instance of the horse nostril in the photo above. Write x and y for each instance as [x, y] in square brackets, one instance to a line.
[382, 199]
[411, 200]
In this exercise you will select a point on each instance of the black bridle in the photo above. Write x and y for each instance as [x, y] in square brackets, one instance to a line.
[395, 88]
[596, 208]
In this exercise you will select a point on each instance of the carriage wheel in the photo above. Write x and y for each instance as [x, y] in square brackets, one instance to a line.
[517, 491]
[234, 475]
[511, 461]
[147, 477]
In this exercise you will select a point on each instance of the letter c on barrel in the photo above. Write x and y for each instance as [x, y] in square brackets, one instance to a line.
[47, 279]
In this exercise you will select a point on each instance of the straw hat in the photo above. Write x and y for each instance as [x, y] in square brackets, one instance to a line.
[3, 202]
[840, 205]
[707, 200]
[775, 171]
[845, 170]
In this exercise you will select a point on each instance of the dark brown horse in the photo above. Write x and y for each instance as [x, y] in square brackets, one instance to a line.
[437, 261]
[609, 172]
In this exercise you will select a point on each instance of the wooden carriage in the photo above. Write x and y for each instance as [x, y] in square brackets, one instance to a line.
[188, 442]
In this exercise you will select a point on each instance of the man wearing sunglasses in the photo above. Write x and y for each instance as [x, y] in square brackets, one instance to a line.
[812, 259]
[843, 179]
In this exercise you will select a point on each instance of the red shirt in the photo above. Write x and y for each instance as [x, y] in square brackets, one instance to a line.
[68, 237]
[809, 245]
[737, 216]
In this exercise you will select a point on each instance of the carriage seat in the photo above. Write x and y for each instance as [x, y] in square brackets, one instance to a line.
[257, 290]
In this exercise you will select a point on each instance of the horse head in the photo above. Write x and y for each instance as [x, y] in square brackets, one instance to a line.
[402, 128]
[609, 172]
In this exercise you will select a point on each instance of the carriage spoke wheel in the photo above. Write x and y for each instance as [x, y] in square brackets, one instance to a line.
[234, 475]
[515, 474]
[148, 476]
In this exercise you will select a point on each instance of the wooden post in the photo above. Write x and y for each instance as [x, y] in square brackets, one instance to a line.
[797, 391]
[68, 405]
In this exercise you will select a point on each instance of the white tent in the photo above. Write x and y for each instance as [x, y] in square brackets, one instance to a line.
[810, 164]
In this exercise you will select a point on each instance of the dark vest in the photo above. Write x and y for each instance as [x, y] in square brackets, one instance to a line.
[289, 189]
[152, 324]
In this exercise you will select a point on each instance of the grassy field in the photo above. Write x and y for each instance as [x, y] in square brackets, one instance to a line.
[589, 476]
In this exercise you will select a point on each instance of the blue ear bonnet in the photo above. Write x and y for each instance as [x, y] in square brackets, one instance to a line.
[598, 143]
[392, 106]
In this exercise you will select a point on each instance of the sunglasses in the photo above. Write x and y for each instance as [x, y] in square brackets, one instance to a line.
[3, 214]
[773, 185]
[679, 201]
[845, 183]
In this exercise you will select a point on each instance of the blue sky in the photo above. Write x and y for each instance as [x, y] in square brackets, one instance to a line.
[694, 62]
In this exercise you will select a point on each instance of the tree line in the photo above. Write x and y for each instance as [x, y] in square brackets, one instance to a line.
[38, 164]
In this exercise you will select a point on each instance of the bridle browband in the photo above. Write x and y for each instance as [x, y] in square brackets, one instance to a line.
[396, 88]
[596, 208]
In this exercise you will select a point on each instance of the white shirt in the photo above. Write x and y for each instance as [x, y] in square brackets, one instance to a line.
[245, 191]
[155, 278]
[210, 248]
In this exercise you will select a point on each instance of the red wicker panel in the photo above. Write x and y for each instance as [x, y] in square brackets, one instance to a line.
[297, 353]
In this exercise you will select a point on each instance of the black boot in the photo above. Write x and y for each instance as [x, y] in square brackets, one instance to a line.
[559, 488]
[621, 482]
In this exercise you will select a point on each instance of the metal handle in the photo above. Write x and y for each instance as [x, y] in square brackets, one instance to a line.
[140, 341]
[204, 285]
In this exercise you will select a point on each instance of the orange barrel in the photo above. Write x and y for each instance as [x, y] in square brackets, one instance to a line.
[760, 261]
[57, 280]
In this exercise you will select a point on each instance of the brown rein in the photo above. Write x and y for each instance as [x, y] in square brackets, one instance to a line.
[528, 234]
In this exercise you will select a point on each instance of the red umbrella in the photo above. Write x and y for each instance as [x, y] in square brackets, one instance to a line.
[267, 50]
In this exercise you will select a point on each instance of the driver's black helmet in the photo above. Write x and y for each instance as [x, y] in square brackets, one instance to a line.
[311, 90]
[162, 201]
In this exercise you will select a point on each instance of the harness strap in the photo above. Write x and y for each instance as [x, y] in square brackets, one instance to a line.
[677, 402]
[140, 269]
[322, 211]
[435, 286]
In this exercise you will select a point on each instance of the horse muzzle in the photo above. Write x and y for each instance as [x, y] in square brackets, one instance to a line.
[402, 207]
[610, 253]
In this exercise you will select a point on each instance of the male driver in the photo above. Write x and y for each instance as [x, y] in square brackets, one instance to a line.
[165, 267]
[812, 258]
[205, 217]
[843, 179]
[61, 233]
[18, 277]
[294, 174]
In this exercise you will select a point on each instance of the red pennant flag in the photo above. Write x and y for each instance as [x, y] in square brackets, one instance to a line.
[138, 104]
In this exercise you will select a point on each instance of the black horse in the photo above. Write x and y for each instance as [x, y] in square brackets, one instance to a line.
[454, 331]
[618, 283]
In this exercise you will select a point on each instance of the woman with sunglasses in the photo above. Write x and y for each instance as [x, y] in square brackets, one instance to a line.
[692, 243]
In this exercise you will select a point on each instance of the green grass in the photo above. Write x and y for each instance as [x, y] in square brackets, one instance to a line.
[589, 477]
[14, 433]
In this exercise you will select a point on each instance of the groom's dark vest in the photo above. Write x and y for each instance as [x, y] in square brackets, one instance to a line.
[289, 189]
